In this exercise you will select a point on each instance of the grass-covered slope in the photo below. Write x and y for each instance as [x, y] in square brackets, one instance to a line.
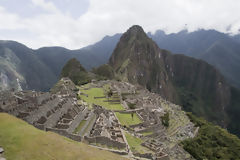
[212, 142]
[22, 141]
[135, 144]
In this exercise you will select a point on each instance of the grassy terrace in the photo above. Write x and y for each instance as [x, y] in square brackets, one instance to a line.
[135, 144]
[81, 124]
[98, 92]
[147, 133]
[127, 120]
[88, 126]
[22, 141]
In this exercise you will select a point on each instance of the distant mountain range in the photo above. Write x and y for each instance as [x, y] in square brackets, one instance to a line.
[25, 68]
[22, 67]
[218, 49]
[192, 83]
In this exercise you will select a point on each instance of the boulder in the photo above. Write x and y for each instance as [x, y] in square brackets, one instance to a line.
[1, 150]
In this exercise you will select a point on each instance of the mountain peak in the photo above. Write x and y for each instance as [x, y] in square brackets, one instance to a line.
[138, 60]
[132, 43]
[135, 29]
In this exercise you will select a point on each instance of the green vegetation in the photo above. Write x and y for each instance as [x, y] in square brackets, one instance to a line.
[79, 127]
[127, 119]
[124, 96]
[147, 133]
[22, 141]
[165, 119]
[135, 144]
[74, 70]
[132, 105]
[212, 142]
[104, 71]
[99, 92]
[195, 104]
[109, 93]
[234, 112]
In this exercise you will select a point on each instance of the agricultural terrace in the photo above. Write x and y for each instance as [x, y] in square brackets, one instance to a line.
[135, 144]
[99, 96]
[127, 119]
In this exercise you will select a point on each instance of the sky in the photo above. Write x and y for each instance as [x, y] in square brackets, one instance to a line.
[77, 23]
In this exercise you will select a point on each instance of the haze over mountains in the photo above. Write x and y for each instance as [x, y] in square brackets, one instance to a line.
[194, 84]
[136, 61]
[218, 49]
[40, 69]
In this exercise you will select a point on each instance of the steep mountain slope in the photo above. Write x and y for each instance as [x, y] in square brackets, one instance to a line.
[90, 56]
[54, 58]
[74, 70]
[137, 59]
[21, 68]
[24, 68]
[218, 49]
[193, 83]
[102, 49]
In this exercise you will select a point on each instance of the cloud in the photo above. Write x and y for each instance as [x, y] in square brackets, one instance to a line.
[48, 6]
[60, 26]
[9, 21]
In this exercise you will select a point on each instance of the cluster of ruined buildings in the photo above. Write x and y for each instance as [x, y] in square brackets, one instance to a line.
[61, 113]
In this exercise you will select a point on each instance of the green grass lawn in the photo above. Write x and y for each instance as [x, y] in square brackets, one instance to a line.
[135, 144]
[126, 118]
[147, 133]
[22, 141]
[79, 127]
[98, 92]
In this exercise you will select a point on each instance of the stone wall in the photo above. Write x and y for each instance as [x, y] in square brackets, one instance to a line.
[65, 133]
[53, 119]
[88, 125]
[151, 129]
[145, 155]
[77, 120]
[42, 97]
[42, 111]
[40, 126]
[105, 141]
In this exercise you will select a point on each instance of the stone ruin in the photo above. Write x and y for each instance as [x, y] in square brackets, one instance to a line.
[60, 112]
[150, 107]
[106, 130]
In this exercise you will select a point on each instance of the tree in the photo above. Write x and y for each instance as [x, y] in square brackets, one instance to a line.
[165, 119]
